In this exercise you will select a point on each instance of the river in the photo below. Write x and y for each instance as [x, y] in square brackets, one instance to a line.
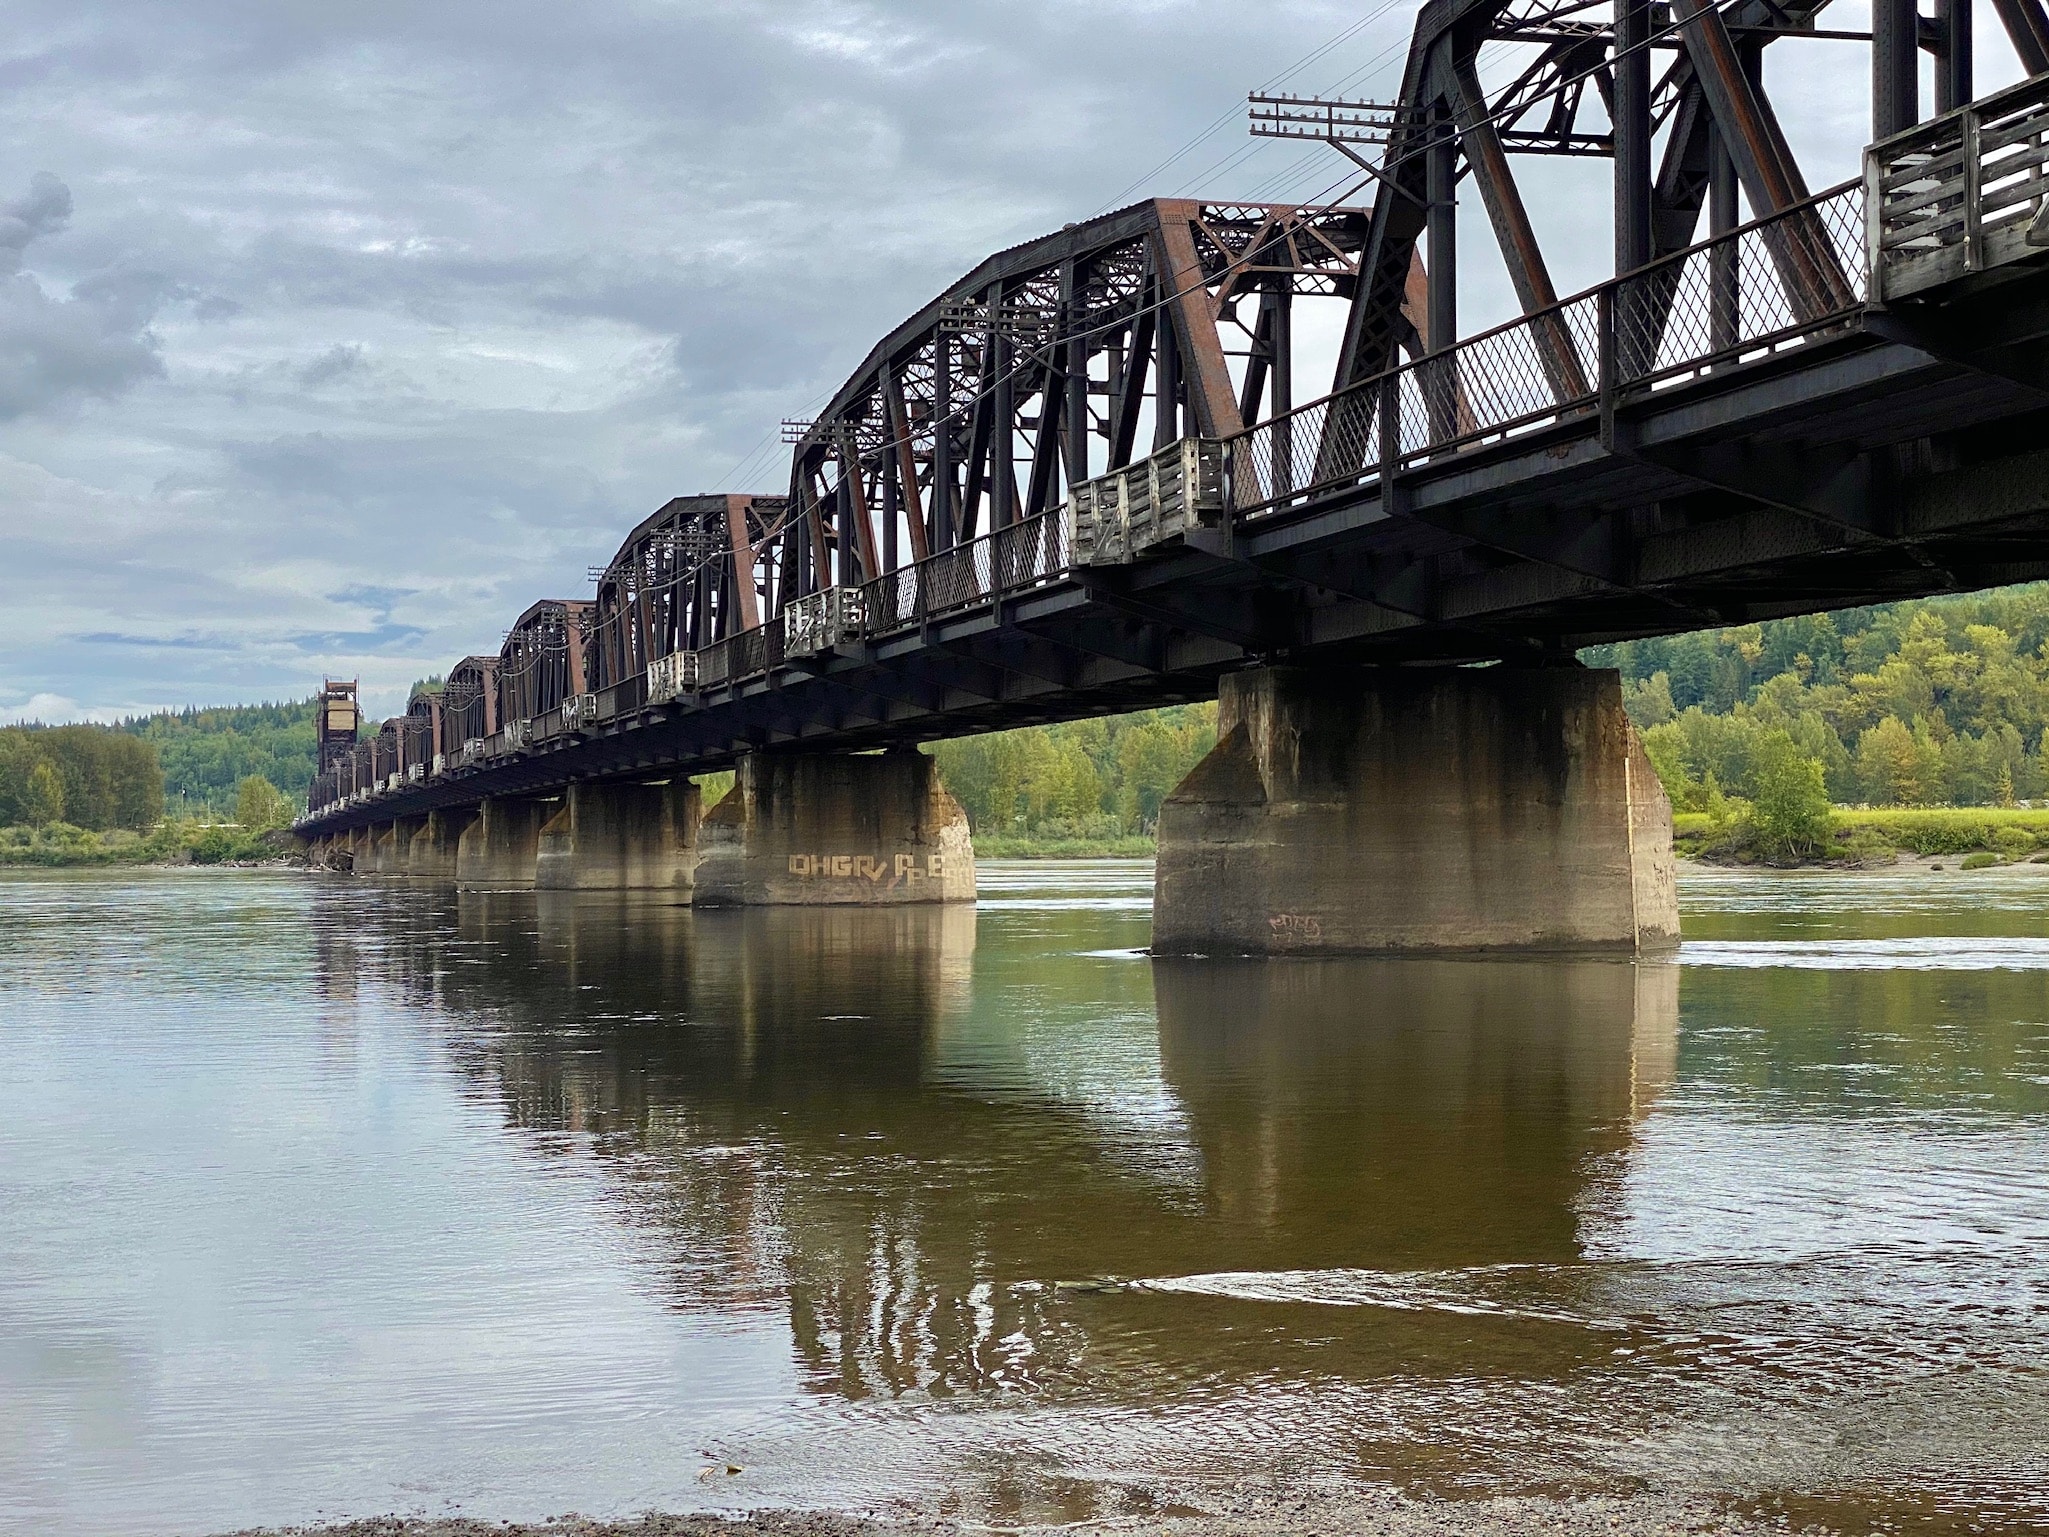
[321, 1198]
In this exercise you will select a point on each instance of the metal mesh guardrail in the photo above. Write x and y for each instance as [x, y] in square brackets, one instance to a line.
[1019, 556]
[1744, 295]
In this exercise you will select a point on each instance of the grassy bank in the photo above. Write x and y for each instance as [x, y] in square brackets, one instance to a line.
[1980, 835]
[1135, 846]
[61, 845]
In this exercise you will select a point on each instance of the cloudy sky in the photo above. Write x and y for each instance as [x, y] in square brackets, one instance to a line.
[332, 335]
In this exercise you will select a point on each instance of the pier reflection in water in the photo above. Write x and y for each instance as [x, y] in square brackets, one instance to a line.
[985, 1211]
[812, 1108]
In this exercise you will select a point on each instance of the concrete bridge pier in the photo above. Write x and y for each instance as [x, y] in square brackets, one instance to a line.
[501, 846]
[363, 844]
[391, 846]
[431, 853]
[331, 851]
[799, 829]
[621, 837]
[1417, 809]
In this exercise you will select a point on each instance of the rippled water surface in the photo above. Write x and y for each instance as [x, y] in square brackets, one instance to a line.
[321, 1198]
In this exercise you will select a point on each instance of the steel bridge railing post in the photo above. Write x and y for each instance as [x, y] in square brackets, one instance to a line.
[1389, 409]
[1605, 359]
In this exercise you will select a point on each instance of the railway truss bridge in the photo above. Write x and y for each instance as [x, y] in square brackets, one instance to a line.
[1079, 481]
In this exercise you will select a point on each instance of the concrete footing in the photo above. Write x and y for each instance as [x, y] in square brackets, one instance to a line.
[801, 829]
[432, 853]
[1417, 809]
[501, 847]
[621, 837]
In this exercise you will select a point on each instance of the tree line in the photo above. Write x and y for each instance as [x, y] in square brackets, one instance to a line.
[1085, 779]
[82, 776]
[207, 753]
[1939, 702]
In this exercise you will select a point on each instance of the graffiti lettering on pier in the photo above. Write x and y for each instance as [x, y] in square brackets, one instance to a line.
[899, 870]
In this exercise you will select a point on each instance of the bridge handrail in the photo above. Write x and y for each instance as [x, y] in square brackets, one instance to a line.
[1774, 281]
[1006, 560]
[1960, 193]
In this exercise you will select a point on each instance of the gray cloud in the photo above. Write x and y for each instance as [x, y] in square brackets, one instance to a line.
[342, 358]
[96, 341]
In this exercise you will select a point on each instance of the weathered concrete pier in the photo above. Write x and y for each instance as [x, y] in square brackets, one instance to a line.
[621, 837]
[1417, 809]
[797, 829]
[806, 829]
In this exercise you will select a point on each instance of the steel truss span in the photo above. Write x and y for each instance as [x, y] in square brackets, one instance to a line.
[1079, 480]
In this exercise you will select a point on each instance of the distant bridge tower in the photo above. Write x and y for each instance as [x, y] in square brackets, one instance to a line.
[336, 724]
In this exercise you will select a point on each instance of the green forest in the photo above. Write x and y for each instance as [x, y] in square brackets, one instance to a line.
[83, 776]
[1088, 783]
[1941, 702]
[206, 754]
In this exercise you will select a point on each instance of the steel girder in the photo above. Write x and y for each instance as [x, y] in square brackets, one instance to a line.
[698, 570]
[1036, 370]
[469, 703]
[542, 660]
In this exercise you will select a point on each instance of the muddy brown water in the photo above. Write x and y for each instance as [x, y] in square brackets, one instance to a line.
[321, 1198]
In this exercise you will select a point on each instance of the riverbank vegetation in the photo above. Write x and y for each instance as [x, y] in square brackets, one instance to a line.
[1868, 836]
[1852, 736]
[91, 795]
[1079, 789]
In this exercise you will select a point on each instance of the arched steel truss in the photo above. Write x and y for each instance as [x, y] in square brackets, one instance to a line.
[1048, 374]
[542, 662]
[1046, 364]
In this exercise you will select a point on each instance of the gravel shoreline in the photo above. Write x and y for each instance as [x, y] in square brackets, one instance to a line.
[1389, 1515]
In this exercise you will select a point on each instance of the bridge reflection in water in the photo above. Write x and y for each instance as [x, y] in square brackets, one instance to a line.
[847, 1114]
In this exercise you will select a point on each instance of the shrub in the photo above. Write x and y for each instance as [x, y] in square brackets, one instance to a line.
[2014, 841]
[1790, 814]
[260, 805]
[1978, 861]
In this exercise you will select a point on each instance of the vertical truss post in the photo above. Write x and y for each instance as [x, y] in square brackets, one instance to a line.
[1633, 173]
[1003, 416]
[1281, 392]
[1632, 126]
[1724, 272]
[942, 441]
[1953, 54]
[1441, 264]
[1074, 372]
[890, 510]
[1167, 389]
[1895, 67]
